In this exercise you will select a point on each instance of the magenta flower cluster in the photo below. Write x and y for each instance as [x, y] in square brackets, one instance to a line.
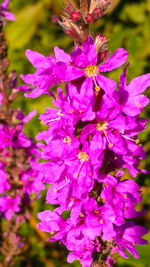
[91, 138]
[18, 156]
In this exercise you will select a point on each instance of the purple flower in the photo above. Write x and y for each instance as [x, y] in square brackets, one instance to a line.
[128, 235]
[65, 68]
[5, 14]
[4, 184]
[129, 97]
[9, 205]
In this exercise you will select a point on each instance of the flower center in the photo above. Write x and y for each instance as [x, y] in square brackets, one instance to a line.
[101, 126]
[67, 140]
[83, 156]
[91, 71]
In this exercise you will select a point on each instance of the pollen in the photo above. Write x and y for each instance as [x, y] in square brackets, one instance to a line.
[137, 141]
[67, 140]
[139, 105]
[101, 221]
[42, 122]
[75, 175]
[83, 156]
[125, 195]
[101, 126]
[52, 233]
[91, 71]
[110, 145]
[59, 113]
[54, 190]
[97, 88]
[96, 211]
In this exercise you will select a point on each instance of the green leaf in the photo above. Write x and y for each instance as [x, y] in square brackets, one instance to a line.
[134, 12]
[20, 31]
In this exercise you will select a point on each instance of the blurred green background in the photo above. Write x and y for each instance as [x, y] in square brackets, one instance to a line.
[128, 26]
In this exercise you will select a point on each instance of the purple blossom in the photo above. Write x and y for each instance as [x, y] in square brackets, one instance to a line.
[4, 184]
[16, 146]
[92, 131]
[129, 97]
[127, 236]
[5, 14]
[65, 68]
[8, 206]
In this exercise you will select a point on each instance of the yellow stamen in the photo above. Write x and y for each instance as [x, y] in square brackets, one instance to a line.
[101, 221]
[52, 233]
[91, 71]
[101, 126]
[42, 122]
[67, 140]
[83, 156]
[110, 145]
[96, 211]
[59, 113]
[54, 190]
[97, 88]
[125, 195]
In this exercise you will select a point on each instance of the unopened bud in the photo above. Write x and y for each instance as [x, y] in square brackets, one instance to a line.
[101, 43]
[77, 32]
[75, 15]
[99, 7]
[68, 9]
[89, 18]
[102, 55]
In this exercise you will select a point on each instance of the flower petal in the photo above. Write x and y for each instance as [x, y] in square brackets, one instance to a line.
[61, 56]
[115, 61]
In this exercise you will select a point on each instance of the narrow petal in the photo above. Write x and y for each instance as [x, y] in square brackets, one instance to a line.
[115, 61]
[108, 85]
[4, 5]
[34, 57]
[72, 73]
[79, 58]
[134, 105]
[61, 56]
[87, 88]
[123, 78]
[7, 15]
[29, 116]
[29, 78]
[90, 51]
[139, 84]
